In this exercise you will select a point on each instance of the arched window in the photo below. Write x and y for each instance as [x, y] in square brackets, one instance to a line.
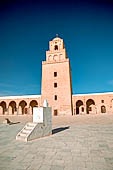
[22, 106]
[3, 107]
[55, 57]
[50, 58]
[78, 104]
[56, 47]
[32, 104]
[103, 109]
[88, 105]
[12, 107]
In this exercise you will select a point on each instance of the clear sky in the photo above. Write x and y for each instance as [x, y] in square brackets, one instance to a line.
[26, 27]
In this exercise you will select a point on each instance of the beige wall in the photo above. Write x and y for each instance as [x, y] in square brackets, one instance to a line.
[95, 108]
[100, 100]
[18, 106]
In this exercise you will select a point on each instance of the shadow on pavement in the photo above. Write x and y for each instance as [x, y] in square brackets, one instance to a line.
[12, 123]
[7, 121]
[57, 130]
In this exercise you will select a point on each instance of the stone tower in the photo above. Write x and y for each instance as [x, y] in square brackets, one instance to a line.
[56, 79]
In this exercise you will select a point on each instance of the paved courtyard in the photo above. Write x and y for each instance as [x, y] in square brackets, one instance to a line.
[77, 143]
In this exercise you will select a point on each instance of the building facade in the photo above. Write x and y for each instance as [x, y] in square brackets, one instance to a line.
[19, 105]
[96, 103]
[57, 89]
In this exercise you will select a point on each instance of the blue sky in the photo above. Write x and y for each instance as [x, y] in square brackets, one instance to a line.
[27, 26]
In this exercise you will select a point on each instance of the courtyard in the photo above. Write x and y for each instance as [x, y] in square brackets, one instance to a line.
[82, 142]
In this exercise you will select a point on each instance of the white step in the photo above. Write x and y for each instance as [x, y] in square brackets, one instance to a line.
[26, 130]
[21, 138]
[23, 134]
[29, 127]
[31, 124]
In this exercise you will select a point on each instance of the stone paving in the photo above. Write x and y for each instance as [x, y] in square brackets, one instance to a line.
[73, 146]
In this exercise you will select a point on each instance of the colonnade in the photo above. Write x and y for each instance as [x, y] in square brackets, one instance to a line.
[25, 107]
[17, 107]
[90, 106]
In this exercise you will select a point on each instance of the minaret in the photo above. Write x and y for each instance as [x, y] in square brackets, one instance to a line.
[56, 79]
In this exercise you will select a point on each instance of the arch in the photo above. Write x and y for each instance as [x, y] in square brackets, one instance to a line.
[103, 109]
[32, 104]
[12, 107]
[3, 107]
[89, 106]
[55, 57]
[50, 58]
[78, 104]
[22, 106]
[56, 47]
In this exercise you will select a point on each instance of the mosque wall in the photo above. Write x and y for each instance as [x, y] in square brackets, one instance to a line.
[96, 103]
[19, 105]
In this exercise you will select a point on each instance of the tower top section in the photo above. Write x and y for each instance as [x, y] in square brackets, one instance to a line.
[56, 44]
[56, 52]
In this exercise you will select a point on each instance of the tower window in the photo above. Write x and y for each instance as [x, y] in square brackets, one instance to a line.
[56, 47]
[55, 112]
[55, 97]
[55, 84]
[55, 74]
[102, 101]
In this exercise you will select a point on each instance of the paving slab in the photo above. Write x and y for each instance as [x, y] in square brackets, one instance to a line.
[81, 143]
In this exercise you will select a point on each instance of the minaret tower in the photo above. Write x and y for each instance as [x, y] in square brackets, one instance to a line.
[56, 79]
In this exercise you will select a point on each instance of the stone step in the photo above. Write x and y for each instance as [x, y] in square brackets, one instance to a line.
[31, 124]
[26, 130]
[29, 127]
[21, 138]
[23, 134]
